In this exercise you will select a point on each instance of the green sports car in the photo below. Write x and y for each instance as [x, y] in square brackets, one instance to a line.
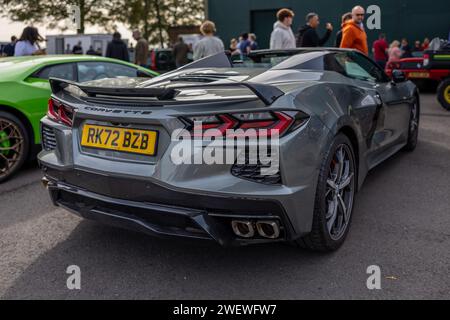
[24, 94]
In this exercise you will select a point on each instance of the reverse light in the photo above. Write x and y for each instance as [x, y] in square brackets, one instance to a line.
[59, 112]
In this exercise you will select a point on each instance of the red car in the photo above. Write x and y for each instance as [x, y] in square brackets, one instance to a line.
[414, 69]
[434, 65]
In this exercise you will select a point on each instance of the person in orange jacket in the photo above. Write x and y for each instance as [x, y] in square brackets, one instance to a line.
[353, 34]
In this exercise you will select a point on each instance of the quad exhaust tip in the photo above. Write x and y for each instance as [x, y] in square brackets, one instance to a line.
[243, 229]
[268, 229]
[247, 229]
[45, 182]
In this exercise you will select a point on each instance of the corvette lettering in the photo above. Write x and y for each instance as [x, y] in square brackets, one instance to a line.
[111, 110]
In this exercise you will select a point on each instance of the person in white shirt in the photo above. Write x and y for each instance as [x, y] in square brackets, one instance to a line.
[210, 44]
[282, 36]
[28, 43]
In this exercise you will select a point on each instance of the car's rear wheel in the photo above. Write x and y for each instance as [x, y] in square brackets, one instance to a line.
[335, 197]
[413, 133]
[444, 93]
[14, 145]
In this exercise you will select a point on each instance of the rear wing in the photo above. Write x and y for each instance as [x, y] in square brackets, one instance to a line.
[268, 94]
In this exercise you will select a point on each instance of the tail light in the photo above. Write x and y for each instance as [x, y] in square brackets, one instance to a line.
[59, 112]
[426, 60]
[221, 122]
[249, 124]
[153, 60]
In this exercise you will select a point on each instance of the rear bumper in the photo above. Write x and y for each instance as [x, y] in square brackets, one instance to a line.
[203, 199]
[168, 220]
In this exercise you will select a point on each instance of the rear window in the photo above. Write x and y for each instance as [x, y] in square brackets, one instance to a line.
[307, 60]
[261, 61]
[88, 71]
[61, 71]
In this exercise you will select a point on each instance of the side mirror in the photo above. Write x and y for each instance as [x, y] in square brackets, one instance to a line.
[398, 76]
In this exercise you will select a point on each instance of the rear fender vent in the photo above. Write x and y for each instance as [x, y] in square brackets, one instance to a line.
[48, 138]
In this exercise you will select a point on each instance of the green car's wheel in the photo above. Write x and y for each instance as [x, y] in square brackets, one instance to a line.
[14, 145]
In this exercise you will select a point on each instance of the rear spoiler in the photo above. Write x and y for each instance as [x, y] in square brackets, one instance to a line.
[59, 85]
[266, 93]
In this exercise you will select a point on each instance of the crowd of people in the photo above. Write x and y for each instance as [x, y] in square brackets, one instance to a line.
[385, 53]
[351, 35]
[210, 44]
[29, 44]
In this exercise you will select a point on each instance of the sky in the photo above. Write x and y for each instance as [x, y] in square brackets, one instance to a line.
[9, 28]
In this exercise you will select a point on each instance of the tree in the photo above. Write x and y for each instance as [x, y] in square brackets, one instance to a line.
[154, 17]
[53, 13]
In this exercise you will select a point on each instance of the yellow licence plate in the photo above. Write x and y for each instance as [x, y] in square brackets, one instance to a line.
[120, 139]
[419, 75]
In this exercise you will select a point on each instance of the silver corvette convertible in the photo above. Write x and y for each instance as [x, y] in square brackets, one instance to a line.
[272, 148]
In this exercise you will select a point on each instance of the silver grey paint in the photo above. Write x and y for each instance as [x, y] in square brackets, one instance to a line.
[332, 100]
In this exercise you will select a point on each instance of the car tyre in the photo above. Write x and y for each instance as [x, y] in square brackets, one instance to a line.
[413, 131]
[443, 93]
[335, 172]
[14, 145]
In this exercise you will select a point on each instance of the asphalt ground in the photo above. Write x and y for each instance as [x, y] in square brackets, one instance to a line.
[401, 223]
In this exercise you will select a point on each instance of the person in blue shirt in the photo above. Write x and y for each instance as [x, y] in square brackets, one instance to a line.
[253, 43]
[244, 45]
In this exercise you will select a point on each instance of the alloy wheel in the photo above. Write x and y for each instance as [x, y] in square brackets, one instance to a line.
[340, 192]
[11, 146]
[447, 94]
[414, 124]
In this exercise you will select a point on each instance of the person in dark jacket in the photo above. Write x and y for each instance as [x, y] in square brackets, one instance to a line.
[8, 50]
[91, 51]
[346, 17]
[407, 51]
[117, 49]
[180, 52]
[77, 49]
[417, 46]
[307, 35]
